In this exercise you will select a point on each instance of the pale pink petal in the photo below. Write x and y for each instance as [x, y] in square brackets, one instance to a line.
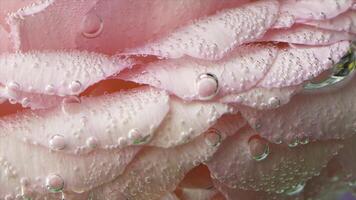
[262, 98]
[213, 37]
[156, 171]
[191, 78]
[297, 64]
[185, 121]
[23, 161]
[5, 42]
[248, 162]
[328, 115]
[62, 73]
[9, 6]
[104, 26]
[235, 193]
[345, 22]
[304, 10]
[329, 185]
[308, 35]
[127, 24]
[31, 100]
[198, 194]
[105, 122]
[169, 196]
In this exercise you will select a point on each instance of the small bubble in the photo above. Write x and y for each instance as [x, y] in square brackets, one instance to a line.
[293, 143]
[50, 89]
[92, 142]
[54, 183]
[213, 137]
[342, 71]
[57, 142]
[75, 86]
[13, 86]
[259, 148]
[207, 86]
[295, 190]
[304, 141]
[92, 26]
[274, 102]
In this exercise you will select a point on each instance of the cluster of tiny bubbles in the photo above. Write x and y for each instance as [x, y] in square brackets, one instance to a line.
[69, 104]
[295, 190]
[296, 141]
[342, 71]
[259, 148]
[207, 86]
[213, 137]
[92, 25]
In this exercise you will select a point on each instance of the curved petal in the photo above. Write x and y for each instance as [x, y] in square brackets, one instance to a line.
[105, 122]
[238, 72]
[314, 116]
[103, 26]
[304, 10]
[156, 171]
[27, 167]
[186, 121]
[307, 35]
[62, 73]
[127, 24]
[213, 37]
[345, 22]
[280, 171]
[295, 65]
[31, 100]
[235, 193]
[262, 98]
[198, 194]
[5, 42]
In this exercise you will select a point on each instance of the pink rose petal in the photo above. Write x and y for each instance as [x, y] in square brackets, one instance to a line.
[24, 160]
[238, 72]
[62, 73]
[127, 24]
[185, 121]
[262, 98]
[213, 37]
[308, 35]
[156, 171]
[304, 10]
[284, 167]
[31, 100]
[235, 193]
[295, 65]
[105, 122]
[329, 115]
[345, 22]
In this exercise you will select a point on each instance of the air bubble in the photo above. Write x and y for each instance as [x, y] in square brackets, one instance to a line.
[57, 142]
[344, 70]
[54, 183]
[213, 137]
[207, 86]
[92, 26]
[259, 148]
[75, 86]
[92, 142]
[295, 190]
